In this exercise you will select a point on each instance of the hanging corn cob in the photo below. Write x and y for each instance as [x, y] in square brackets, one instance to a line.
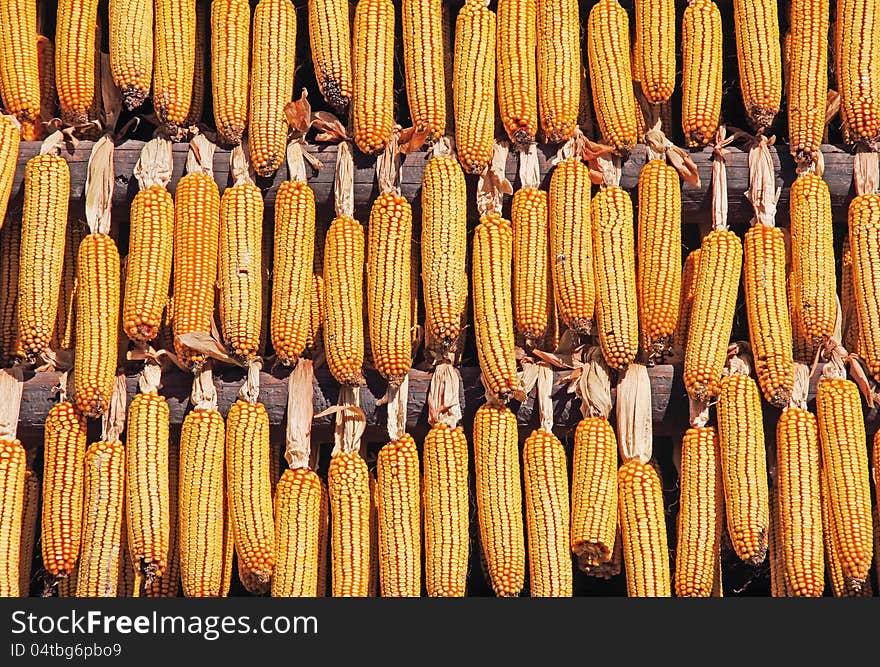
[686, 300]
[65, 321]
[168, 585]
[273, 63]
[97, 299]
[617, 317]
[839, 587]
[174, 64]
[230, 56]
[330, 37]
[131, 49]
[701, 47]
[10, 248]
[148, 267]
[610, 75]
[423, 56]
[559, 81]
[743, 459]
[373, 81]
[297, 496]
[48, 89]
[44, 219]
[323, 541]
[640, 493]
[714, 304]
[856, 34]
[655, 48]
[516, 66]
[9, 142]
[19, 69]
[849, 312]
[12, 479]
[808, 74]
[29, 516]
[779, 587]
[200, 63]
[864, 240]
[759, 57]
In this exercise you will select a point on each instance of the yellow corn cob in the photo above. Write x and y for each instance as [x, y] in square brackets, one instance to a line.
[547, 515]
[240, 269]
[474, 85]
[230, 53]
[779, 587]
[292, 269]
[97, 324]
[168, 585]
[12, 474]
[148, 267]
[864, 224]
[444, 249]
[373, 81]
[61, 527]
[616, 309]
[423, 56]
[330, 37]
[344, 300]
[273, 63]
[131, 49]
[610, 74]
[559, 67]
[276, 446]
[499, 498]
[446, 508]
[802, 345]
[125, 567]
[594, 492]
[29, 516]
[200, 75]
[19, 75]
[174, 68]
[315, 339]
[200, 508]
[808, 72]
[389, 237]
[712, 313]
[686, 300]
[571, 244]
[349, 486]
[297, 517]
[643, 529]
[493, 311]
[250, 491]
[10, 249]
[701, 47]
[250, 581]
[531, 261]
[849, 306]
[517, 70]
[839, 586]
[323, 540]
[857, 32]
[844, 455]
[744, 467]
[65, 320]
[655, 44]
[373, 583]
[659, 252]
[701, 516]
[44, 218]
[9, 141]
[760, 60]
[103, 527]
[800, 501]
[195, 258]
[398, 518]
[147, 495]
[48, 91]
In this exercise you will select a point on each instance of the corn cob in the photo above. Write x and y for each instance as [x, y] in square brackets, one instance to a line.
[423, 57]
[744, 467]
[849, 306]
[610, 75]
[12, 474]
[65, 445]
[547, 515]
[349, 486]
[779, 587]
[373, 581]
[760, 60]
[571, 245]
[125, 582]
[616, 308]
[499, 498]
[29, 516]
[839, 586]
[659, 252]
[131, 49]
[9, 141]
[842, 434]
[398, 518]
[532, 283]
[315, 338]
[168, 585]
[493, 311]
[373, 68]
[389, 238]
[445, 503]
[559, 63]
[655, 47]
[712, 313]
[65, 320]
[103, 531]
[247, 474]
[200, 59]
[323, 540]
[273, 63]
[701, 516]
[800, 501]
[645, 551]
[96, 324]
[474, 85]
[240, 269]
[344, 300]
[44, 218]
[292, 270]
[808, 72]
[48, 90]
[701, 42]
[10, 249]
[686, 299]
[517, 70]
[230, 54]
[330, 36]
[864, 223]
[444, 249]
[297, 530]
[19, 73]
[857, 31]
[174, 64]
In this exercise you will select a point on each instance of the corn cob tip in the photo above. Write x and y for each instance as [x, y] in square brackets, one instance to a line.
[133, 97]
